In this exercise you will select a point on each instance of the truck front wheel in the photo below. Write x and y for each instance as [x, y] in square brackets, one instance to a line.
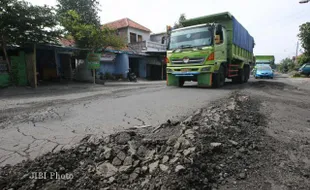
[181, 82]
[219, 78]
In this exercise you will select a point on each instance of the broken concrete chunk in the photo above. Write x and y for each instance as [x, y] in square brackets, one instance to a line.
[107, 152]
[145, 168]
[174, 160]
[116, 161]
[189, 151]
[124, 168]
[165, 159]
[141, 151]
[233, 142]
[106, 170]
[121, 155]
[163, 167]
[150, 155]
[153, 166]
[128, 161]
[133, 177]
[122, 138]
[132, 147]
[189, 119]
[179, 168]
[189, 131]
[146, 181]
[215, 144]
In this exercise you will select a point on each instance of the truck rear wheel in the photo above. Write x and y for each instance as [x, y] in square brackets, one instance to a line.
[218, 78]
[240, 78]
[246, 74]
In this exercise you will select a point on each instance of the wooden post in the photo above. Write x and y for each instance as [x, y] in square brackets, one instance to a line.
[35, 65]
[6, 58]
[94, 75]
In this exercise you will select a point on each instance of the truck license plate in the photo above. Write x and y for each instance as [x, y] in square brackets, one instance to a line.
[185, 70]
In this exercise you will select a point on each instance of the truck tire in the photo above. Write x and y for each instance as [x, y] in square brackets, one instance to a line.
[247, 74]
[219, 78]
[240, 78]
[181, 83]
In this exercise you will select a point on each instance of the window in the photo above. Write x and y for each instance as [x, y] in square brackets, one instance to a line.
[221, 36]
[139, 38]
[133, 37]
[163, 40]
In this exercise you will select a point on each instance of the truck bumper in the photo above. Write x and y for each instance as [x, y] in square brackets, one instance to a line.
[204, 79]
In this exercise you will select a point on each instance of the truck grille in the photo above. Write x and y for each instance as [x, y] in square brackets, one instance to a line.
[190, 61]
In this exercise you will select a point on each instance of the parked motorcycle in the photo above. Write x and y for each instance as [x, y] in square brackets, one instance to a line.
[131, 76]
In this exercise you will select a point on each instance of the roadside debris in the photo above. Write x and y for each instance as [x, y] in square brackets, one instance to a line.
[201, 152]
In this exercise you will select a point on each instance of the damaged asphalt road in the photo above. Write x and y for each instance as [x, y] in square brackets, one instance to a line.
[244, 141]
[33, 125]
[256, 137]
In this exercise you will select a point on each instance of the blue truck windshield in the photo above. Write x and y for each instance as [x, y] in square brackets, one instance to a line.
[191, 37]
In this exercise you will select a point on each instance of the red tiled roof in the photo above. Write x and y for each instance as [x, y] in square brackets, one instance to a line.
[66, 42]
[126, 22]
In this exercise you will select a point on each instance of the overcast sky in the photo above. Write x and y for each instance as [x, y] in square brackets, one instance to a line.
[274, 24]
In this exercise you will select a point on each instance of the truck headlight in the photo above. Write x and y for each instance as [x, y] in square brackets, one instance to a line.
[206, 69]
[169, 70]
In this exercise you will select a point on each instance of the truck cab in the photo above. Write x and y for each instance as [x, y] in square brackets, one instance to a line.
[209, 52]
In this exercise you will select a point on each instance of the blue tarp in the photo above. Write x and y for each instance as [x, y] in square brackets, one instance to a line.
[241, 36]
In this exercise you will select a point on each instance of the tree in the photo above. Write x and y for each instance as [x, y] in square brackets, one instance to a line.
[286, 65]
[179, 23]
[89, 35]
[303, 59]
[304, 36]
[87, 9]
[22, 23]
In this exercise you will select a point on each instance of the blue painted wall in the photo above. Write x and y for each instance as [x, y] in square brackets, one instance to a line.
[121, 64]
[107, 67]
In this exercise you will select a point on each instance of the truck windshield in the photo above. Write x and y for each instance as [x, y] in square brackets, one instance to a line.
[191, 37]
[264, 67]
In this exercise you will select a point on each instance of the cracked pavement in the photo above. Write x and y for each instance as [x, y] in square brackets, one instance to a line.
[33, 124]
[57, 118]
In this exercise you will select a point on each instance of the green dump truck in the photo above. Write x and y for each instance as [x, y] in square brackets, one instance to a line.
[264, 59]
[209, 49]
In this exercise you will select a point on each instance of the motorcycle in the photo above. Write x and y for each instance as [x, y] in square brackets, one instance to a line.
[131, 76]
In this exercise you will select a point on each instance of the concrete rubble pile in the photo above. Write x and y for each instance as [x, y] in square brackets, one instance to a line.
[214, 146]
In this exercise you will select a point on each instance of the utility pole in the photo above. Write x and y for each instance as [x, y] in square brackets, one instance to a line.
[297, 47]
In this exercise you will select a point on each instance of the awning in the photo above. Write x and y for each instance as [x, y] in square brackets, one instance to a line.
[108, 57]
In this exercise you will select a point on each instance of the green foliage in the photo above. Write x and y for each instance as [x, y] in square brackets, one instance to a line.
[21, 22]
[87, 9]
[296, 75]
[303, 59]
[179, 23]
[286, 65]
[304, 36]
[89, 35]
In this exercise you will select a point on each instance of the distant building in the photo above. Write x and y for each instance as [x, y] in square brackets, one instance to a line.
[146, 51]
